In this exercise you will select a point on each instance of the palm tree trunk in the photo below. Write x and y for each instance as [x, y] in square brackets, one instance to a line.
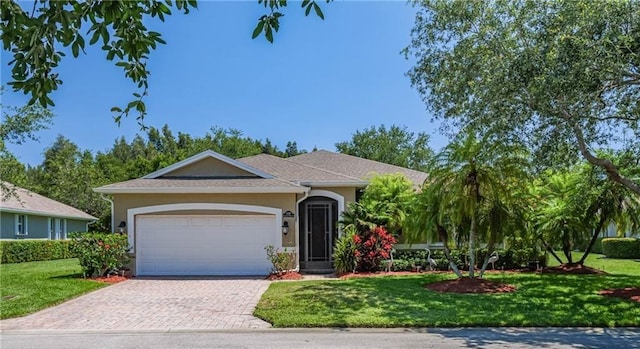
[444, 237]
[594, 238]
[472, 244]
[490, 249]
[550, 250]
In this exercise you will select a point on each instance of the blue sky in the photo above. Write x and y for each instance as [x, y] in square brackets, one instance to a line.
[317, 84]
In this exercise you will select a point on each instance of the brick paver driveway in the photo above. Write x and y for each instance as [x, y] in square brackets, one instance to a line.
[155, 304]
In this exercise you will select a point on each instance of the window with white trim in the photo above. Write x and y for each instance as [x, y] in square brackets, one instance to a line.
[21, 224]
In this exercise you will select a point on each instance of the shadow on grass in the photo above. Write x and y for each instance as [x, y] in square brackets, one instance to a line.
[541, 300]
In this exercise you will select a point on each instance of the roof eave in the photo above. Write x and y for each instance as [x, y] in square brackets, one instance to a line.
[47, 214]
[360, 184]
[188, 190]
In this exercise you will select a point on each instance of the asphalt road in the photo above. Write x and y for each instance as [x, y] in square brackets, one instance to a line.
[628, 338]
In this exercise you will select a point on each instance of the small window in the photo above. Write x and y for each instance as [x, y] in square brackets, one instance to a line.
[21, 224]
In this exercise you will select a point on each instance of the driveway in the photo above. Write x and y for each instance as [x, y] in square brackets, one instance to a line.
[155, 304]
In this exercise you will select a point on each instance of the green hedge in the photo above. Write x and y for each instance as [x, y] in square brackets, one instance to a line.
[509, 259]
[624, 248]
[19, 251]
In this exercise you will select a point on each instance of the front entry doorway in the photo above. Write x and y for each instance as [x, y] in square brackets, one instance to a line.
[318, 232]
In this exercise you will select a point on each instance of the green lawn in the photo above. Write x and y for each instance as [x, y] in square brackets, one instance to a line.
[609, 265]
[29, 287]
[541, 300]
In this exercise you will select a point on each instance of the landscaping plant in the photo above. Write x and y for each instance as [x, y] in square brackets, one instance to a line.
[281, 260]
[373, 246]
[100, 253]
[344, 255]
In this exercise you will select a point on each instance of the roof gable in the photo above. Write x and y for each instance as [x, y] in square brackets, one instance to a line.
[208, 164]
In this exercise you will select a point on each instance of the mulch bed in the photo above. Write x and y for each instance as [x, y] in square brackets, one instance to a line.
[573, 269]
[290, 275]
[470, 285]
[630, 293]
[113, 279]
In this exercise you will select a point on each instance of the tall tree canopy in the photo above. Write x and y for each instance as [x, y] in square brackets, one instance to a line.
[562, 75]
[40, 33]
[396, 146]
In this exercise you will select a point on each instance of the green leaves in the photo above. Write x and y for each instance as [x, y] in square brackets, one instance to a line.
[270, 23]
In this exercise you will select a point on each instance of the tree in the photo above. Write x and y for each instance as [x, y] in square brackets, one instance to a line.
[396, 146]
[470, 189]
[18, 125]
[564, 76]
[385, 203]
[38, 36]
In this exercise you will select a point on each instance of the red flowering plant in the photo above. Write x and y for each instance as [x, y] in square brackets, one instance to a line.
[372, 246]
[100, 253]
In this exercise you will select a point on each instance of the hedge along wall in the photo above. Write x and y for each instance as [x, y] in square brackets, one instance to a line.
[19, 251]
[625, 248]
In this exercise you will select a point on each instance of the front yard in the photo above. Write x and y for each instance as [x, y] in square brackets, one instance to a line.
[29, 287]
[402, 301]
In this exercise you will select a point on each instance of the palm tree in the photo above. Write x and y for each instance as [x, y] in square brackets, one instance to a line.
[610, 203]
[472, 180]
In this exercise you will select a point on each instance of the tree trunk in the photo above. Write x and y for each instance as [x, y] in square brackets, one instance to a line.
[566, 248]
[550, 250]
[594, 238]
[606, 164]
[472, 244]
[444, 237]
[490, 249]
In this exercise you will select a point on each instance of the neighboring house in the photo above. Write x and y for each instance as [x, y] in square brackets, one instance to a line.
[212, 215]
[27, 215]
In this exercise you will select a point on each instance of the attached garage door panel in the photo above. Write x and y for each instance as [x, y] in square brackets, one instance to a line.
[204, 245]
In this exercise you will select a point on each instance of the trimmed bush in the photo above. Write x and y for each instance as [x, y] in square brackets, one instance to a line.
[509, 259]
[20, 251]
[624, 248]
[281, 261]
[100, 253]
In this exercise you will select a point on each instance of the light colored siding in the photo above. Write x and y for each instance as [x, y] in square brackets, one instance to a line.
[7, 225]
[76, 226]
[37, 227]
[208, 167]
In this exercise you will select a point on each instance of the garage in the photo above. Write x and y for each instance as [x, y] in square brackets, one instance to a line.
[204, 244]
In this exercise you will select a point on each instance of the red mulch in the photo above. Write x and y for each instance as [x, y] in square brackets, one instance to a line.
[290, 275]
[631, 293]
[470, 285]
[113, 279]
[573, 269]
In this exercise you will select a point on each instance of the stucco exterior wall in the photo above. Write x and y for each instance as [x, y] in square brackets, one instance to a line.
[124, 202]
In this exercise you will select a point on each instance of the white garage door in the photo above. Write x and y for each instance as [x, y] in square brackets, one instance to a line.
[204, 245]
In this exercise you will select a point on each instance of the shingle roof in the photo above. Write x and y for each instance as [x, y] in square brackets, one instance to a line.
[355, 166]
[16, 199]
[299, 173]
[186, 185]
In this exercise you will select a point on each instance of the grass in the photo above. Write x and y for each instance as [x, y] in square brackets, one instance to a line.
[32, 286]
[609, 265]
[541, 300]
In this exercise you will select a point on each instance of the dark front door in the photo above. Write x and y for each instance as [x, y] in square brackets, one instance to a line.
[318, 229]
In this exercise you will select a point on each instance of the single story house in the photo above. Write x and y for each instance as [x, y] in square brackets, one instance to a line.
[213, 215]
[27, 215]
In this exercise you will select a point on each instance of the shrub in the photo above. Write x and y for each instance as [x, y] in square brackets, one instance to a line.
[509, 259]
[344, 255]
[100, 253]
[401, 265]
[20, 251]
[625, 248]
[373, 246]
[281, 260]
